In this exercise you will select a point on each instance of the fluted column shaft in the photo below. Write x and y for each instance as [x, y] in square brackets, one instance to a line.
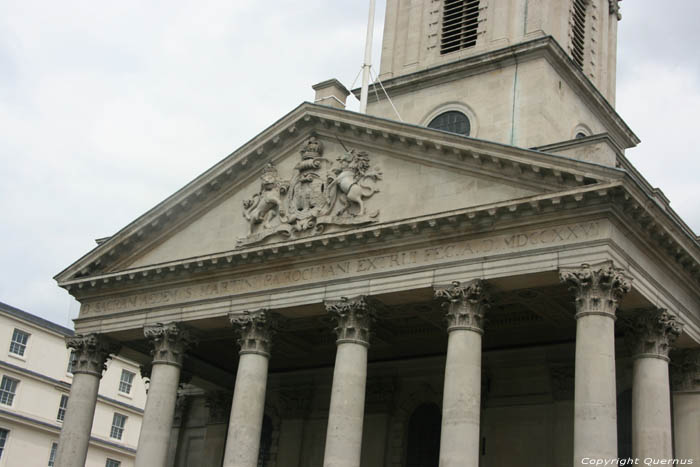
[461, 403]
[598, 289]
[346, 413]
[169, 344]
[685, 376]
[651, 333]
[248, 406]
[91, 353]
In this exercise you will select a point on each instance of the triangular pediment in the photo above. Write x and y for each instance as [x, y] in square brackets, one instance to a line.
[282, 186]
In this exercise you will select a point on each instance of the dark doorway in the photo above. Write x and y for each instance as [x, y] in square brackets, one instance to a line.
[424, 436]
[624, 424]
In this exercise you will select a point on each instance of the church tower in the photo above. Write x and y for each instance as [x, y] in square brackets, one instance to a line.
[527, 73]
[446, 280]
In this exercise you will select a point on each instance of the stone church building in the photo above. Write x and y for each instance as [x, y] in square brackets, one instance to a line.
[485, 280]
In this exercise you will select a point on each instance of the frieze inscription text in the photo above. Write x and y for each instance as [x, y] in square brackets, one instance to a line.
[455, 251]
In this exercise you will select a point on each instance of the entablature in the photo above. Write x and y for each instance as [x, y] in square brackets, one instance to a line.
[410, 230]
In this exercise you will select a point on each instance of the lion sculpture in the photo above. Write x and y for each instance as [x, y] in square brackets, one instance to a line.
[264, 206]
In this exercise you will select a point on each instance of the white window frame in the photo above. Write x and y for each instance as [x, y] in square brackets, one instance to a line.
[116, 429]
[17, 347]
[52, 453]
[126, 386]
[61, 415]
[112, 463]
[69, 368]
[3, 445]
[7, 394]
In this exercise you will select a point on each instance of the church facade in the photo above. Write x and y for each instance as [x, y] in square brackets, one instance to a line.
[470, 274]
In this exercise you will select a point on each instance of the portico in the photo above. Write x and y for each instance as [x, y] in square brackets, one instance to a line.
[488, 283]
[377, 324]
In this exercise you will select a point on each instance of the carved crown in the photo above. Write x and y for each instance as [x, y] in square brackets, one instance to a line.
[312, 149]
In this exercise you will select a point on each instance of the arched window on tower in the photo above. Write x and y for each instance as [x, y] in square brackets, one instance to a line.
[452, 121]
[423, 440]
[265, 442]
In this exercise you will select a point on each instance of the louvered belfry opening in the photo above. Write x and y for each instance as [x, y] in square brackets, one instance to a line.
[460, 19]
[578, 26]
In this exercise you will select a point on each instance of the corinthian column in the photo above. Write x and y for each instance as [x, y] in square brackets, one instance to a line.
[91, 353]
[685, 376]
[346, 413]
[465, 305]
[169, 344]
[248, 407]
[651, 333]
[598, 289]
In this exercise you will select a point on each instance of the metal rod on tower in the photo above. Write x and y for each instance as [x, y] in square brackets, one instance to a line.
[368, 59]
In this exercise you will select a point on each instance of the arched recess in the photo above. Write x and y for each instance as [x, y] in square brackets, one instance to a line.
[423, 437]
[581, 131]
[408, 401]
[454, 107]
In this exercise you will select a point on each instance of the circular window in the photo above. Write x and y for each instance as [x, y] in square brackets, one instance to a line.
[452, 121]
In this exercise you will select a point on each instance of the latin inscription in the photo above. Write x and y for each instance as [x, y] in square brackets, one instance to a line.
[351, 268]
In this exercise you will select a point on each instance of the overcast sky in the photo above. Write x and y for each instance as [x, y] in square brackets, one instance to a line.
[106, 108]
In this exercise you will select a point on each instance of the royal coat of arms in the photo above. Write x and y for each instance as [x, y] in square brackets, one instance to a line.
[319, 193]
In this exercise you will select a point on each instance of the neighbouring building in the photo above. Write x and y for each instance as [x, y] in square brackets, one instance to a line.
[35, 383]
[485, 280]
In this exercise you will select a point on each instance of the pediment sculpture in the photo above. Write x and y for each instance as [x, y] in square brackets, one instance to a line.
[319, 193]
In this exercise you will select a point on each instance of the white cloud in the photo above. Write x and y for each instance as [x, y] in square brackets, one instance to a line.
[662, 107]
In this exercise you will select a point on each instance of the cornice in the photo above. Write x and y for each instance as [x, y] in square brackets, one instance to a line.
[578, 142]
[621, 196]
[493, 159]
[413, 228]
[54, 428]
[656, 196]
[656, 222]
[546, 47]
[63, 385]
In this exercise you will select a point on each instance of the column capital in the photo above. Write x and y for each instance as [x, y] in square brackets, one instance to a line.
[182, 404]
[598, 287]
[563, 382]
[255, 329]
[169, 341]
[219, 405]
[651, 332]
[685, 370]
[465, 304]
[91, 352]
[353, 318]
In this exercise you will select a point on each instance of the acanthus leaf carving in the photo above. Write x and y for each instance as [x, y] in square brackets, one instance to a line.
[685, 369]
[353, 319]
[255, 330]
[598, 288]
[651, 332]
[219, 405]
[91, 352]
[169, 342]
[465, 304]
[319, 193]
